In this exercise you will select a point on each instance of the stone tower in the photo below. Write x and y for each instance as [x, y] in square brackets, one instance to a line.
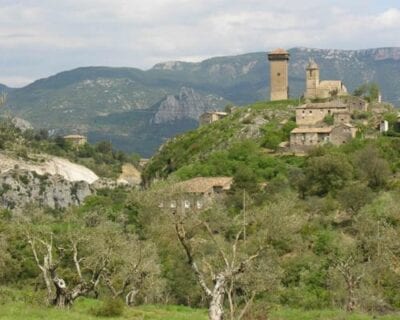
[312, 80]
[279, 82]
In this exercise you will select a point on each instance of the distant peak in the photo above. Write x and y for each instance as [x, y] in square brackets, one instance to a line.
[169, 65]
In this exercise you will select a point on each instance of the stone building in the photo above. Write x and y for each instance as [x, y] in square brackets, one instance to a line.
[312, 114]
[211, 116]
[320, 123]
[304, 139]
[76, 139]
[279, 82]
[197, 193]
[321, 89]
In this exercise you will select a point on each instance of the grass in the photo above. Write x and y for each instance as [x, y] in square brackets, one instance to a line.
[82, 311]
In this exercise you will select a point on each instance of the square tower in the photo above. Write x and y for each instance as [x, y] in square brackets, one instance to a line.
[279, 82]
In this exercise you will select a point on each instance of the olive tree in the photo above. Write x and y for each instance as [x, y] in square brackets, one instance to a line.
[231, 255]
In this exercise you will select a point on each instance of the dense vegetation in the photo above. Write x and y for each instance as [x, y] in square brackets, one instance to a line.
[294, 237]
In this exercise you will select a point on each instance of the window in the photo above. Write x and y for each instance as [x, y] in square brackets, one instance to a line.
[186, 204]
[173, 204]
[199, 204]
[278, 74]
[310, 111]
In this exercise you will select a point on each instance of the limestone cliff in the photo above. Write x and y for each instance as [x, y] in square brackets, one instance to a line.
[43, 180]
[188, 104]
[21, 187]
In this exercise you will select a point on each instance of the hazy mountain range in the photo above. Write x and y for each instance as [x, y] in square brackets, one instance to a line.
[137, 110]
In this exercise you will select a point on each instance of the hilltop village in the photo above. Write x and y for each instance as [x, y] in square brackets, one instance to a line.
[327, 116]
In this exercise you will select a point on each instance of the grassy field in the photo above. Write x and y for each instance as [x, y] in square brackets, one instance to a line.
[83, 310]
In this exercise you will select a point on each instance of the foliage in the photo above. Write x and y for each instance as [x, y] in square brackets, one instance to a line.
[369, 91]
[109, 308]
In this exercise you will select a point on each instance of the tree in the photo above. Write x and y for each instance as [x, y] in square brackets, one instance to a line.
[228, 255]
[232, 264]
[49, 253]
[327, 173]
[136, 274]
[77, 259]
[372, 167]
[4, 254]
[368, 91]
[352, 278]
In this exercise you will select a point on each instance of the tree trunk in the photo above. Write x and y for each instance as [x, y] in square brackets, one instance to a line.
[62, 299]
[130, 297]
[216, 307]
[351, 302]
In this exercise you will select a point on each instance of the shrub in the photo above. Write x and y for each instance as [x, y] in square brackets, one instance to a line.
[109, 308]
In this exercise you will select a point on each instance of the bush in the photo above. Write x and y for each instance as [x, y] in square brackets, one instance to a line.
[109, 308]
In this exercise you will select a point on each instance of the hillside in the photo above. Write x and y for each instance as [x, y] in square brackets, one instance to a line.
[250, 136]
[121, 103]
[308, 235]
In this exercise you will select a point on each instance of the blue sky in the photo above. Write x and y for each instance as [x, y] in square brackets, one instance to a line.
[41, 37]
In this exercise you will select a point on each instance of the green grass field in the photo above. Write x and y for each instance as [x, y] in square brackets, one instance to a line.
[82, 310]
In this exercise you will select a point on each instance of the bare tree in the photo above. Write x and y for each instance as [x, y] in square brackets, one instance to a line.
[4, 255]
[346, 267]
[48, 257]
[222, 269]
[136, 273]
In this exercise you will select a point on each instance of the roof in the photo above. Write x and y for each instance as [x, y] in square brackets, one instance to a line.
[220, 113]
[321, 129]
[323, 105]
[312, 65]
[74, 136]
[279, 51]
[204, 184]
[330, 84]
[312, 130]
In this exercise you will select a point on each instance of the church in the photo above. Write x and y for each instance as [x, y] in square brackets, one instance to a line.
[316, 89]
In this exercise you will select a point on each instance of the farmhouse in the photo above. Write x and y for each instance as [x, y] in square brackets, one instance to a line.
[76, 139]
[211, 116]
[198, 193]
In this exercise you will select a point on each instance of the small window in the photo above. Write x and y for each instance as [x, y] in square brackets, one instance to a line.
[310, 111]
[278, 74]
[187, 204]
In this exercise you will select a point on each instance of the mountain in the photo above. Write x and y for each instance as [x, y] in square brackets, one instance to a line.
[4, 88]
[137, 110]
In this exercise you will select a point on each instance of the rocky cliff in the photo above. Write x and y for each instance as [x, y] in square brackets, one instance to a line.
[44, 180]
[19, 188]
[188, 104]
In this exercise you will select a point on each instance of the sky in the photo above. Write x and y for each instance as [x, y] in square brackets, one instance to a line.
[39, 38]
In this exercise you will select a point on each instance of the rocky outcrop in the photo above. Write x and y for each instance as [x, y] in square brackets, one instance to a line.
[43, 180]
[43, 164]
[19, 188]
[188, 104]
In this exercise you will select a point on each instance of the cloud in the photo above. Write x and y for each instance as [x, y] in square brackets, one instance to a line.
[41, 37]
